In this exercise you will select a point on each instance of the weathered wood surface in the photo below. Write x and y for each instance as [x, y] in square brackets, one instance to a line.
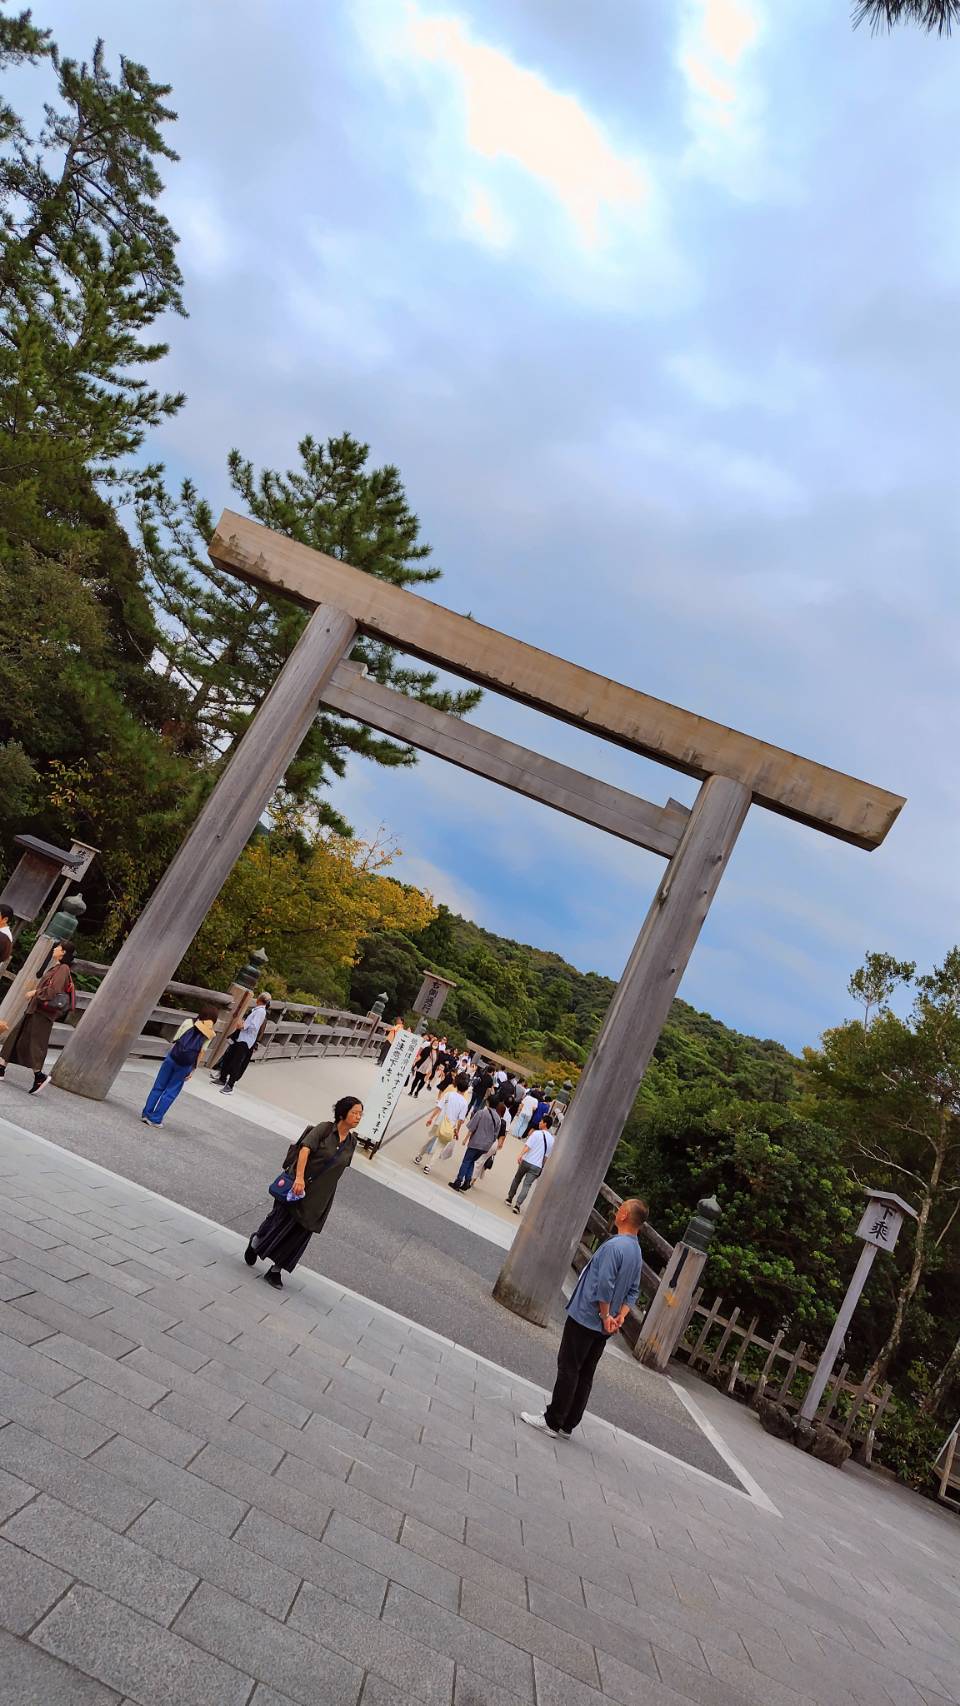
[657, 828]
[531, 1277]
[812, 793]
[95, 1052]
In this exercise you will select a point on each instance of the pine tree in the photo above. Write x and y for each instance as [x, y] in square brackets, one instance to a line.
[227, 641]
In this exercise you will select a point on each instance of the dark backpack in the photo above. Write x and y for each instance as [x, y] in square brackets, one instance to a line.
[186, 1049]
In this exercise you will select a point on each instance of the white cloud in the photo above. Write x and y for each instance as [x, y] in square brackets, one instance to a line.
[780, 387]
[724, 100]
[206, 245]
[521, 165]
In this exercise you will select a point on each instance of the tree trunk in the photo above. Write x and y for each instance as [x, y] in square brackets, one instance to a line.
[950, 1372]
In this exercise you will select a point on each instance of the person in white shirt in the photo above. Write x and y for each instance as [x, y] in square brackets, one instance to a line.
[535, 1153]
[445, 1121]
[521, 1118]
[242, 1044]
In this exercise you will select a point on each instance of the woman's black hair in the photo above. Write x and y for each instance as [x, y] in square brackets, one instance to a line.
[69, 954]
[463, 1081]
[343, 1106]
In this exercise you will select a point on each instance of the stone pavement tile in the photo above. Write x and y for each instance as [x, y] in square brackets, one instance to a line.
[13, 1494]
[769, 1682]
[21, 1325]
[398, 1657]
[264, 1696]
[195, 1418]
[33, 1367]
[542, 1639]
[562, 1575]
[711, 1688]
[376, 1692]
[621, 1632]
[74, 1480]
[133, 1422]
[310, 1400]
[29, 1677]
[28, 1588]
[399, 1562]
[304, 1507]
[50, 1419]
[120, 1377]
[136, 1318]
[192, 1494]
[395, 1452]
[137, 1657]
[392, 1490]
[170, 1377]
[27, 1227]
[630, 1685]
[274, 1653]
[11, 1288]
[87, 1296]
[16, 1251]
[317, 1442]
[506, 1666]
[228, 1564]
[261, 1395]
[464, 1562]
[315, 1561]
[702, 1625]
[104, 1560]
[48, 1317]
[472, 1690]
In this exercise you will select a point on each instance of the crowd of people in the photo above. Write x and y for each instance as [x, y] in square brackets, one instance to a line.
[480, 1105]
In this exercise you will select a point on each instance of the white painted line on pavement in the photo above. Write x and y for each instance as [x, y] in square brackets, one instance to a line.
[722, 1449]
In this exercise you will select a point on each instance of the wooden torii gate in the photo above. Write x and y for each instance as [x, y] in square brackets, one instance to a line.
[735, 771]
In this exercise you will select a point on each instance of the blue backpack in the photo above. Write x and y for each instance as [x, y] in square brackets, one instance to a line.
[186, 1049]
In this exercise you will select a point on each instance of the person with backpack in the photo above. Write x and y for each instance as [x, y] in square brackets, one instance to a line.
[244, 1038]
[313, 1167]
[186, 1054]
[447, 1117]
[486, 1128]
[52, 1000]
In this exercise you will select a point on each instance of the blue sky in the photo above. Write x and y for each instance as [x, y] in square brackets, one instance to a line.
[653, 306]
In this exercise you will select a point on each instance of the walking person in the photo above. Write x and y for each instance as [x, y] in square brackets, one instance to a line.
[393, 1031]
[521, 1118]
[530, 1166]
[423, 1066]
[243, 1040]
[6, 935]
[447, 1118]
[318, 1159]
[53, 998]
[600, 1303]
[484, 1130]
[482, 1085]
[185, 1055]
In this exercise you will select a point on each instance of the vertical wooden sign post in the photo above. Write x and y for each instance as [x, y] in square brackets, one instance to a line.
[879, 1228]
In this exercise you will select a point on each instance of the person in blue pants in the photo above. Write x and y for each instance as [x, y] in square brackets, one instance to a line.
[186, 1054]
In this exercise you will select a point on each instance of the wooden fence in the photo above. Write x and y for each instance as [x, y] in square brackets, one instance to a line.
[293, 1030]
[732, 1355]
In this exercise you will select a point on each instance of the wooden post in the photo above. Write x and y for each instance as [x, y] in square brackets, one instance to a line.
[824, 1368]
[765, 1371]
[538, 1262]
[171, 918]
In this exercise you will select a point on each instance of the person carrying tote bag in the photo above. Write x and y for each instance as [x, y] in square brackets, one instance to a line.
[49, 1003]
[313, 1168]
[449, 1114]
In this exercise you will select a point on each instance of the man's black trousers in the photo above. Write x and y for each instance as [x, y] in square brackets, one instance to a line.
[580, 1350]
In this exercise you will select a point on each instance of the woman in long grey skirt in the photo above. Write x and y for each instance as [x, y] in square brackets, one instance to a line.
[319, 1159]
[53, 998]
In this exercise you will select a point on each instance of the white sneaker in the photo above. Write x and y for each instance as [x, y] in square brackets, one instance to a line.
[539, 1422]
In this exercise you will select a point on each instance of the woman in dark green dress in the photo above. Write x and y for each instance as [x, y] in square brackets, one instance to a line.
[318, 1160]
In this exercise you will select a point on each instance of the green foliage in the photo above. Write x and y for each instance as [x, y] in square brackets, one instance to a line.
[227, 641]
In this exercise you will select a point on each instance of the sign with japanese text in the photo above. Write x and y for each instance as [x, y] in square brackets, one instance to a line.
[880, 1224]
[433, 994]
[385, 1094]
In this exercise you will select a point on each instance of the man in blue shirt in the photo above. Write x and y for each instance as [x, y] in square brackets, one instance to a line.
[601, 1300]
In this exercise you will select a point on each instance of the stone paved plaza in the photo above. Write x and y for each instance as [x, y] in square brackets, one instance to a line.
[215, 1495]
